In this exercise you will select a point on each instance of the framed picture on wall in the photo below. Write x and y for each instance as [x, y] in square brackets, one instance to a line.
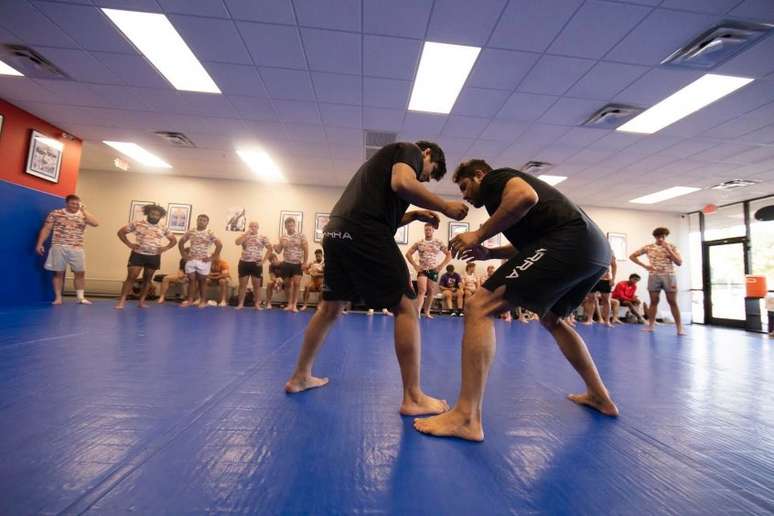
[455, 228]
[617, 243]
[298, 216]
[1, 125]
[236, 219]
[492, 242]
[401, 236]
[320, 220]
[135, 210]
[45, 157]
[178, 217]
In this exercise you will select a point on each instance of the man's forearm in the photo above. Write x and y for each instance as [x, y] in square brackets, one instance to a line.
[502, 219]
[408, 217]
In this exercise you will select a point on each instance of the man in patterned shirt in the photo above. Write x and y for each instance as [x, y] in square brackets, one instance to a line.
[428, 267]
[255, 250]
[198, 260]
[662, 257]
[295, 253]
[68, 225]
[147, 247]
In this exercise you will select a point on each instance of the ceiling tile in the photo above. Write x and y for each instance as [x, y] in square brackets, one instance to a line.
[487, 149]
[122, 97]
[541, 134]
[554, 75]
[760, 10]
[347, 153]
[273, 45]
[72, 93]
[341, 115]
[753, 62]
[133, 5]
[407, 18]
[252, 108]
[212, 39]
[605, 80]
[87, 25]
[479, 102]
[132, 69]
[381, 119]
[235, 79]
[530, 25]
[581, 136]
[569, 111]
[297, 111]
[270, 11]
[504, 130]
[341, 89]
[305, 133]
[465, 126]
[660, 34]
[656, 85]
[211, 8]
[395, 58]
[596, 27]
[344, 136]
[726, 152]
[762, 136]
[287, 84]
[615, 141]
[387, 93]
[463, 22]
[80, 65]
[423, 124]
[701, 6]
[329, 14]
[26, 22]
[501, 69]
[332, 51]
[526, 107]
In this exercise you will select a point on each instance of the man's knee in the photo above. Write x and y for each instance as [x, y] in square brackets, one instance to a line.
[550, 321]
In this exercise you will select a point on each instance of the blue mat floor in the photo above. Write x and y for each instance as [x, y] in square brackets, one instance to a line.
[172, 411]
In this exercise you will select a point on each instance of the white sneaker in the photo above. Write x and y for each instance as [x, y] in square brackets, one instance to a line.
[370, 311]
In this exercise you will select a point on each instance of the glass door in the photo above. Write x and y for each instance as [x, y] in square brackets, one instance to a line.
[725, 282]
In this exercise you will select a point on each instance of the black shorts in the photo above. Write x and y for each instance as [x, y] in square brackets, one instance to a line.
[602, 286]
[254, 269]
[365, 265]
[288, 270]
[429, 274]
[541, 279]
[146, 261]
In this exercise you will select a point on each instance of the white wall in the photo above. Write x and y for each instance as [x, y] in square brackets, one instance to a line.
[108, 195]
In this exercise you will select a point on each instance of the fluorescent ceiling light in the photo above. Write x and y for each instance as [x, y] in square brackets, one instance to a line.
[552, 180]
[157, 39]
[9, 70]
[699, 93]
[261, 164]
[138, 154]
[442, 72]
[663, 195]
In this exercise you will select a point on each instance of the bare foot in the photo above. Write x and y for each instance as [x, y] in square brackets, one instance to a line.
[84, 301]
[429, 316]
[422, 405]
[120, 305]
[681, 332]
[185, 304]
[258, 306]
[451, 424]
[57, 301]
[295, 385]
[648, 328]
[142, 304]
[161, 301]
[268, 306]
[238, 307]
[202, 305]
[587, 323]
[303, 308]
[605, 406]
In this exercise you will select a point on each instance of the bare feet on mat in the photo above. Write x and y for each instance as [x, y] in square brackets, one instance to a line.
[84, 301]
[295, 385]
[603, 405]
[451, 424]
[57, 301]
[422, 405]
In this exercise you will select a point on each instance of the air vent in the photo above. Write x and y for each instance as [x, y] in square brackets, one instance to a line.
[375, 140]
[717, 45]
[611, 116]
[176, 139]
[735, 184]
[536, 167]
[30, 63]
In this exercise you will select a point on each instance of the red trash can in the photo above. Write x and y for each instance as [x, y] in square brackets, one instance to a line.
[756, 286]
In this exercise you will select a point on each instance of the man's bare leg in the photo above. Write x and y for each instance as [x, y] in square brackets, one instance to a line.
[147, 277]
[131, 276]
[256, 281]
[478, 350]
[242, 292]
[315, 333]
[589, 307]
[164, 287]
[408, 349]
[576, 352]
[429, 298]
[223, 290]
[651, 310]
[604, 301]
[269, 294]
[58, 282]
[193, 288]
[79, 282]
[202, 282]
[672, 300]
[421, 292]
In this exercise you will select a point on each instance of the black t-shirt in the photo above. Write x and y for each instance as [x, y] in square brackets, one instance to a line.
[368, 202]
[555, 220]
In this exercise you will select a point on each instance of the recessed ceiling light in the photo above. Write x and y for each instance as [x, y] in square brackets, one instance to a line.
[9, 70]
[552, 180]
[157, 39]
[663, 195]
[261, 164]
[138, 154]
[701, 92]
[443, 69]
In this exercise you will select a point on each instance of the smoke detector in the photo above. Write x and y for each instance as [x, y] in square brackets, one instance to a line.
[734, 184]
[176, 139]
[611, 116]
[375, 140]
[30, 63]
[717, 45]
[536, 167]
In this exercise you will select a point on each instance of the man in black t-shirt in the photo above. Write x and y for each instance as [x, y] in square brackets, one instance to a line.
[557, 254]
[363, 261]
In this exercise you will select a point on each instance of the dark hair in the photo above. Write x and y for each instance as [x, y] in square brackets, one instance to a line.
[449, 268]
[469, 265]
[203, 215]
[153, 207]
[634, 277]
[660, 232]
[429, 224]
[72, 197]
[467, 169]
[318, 251]
[436, 156]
